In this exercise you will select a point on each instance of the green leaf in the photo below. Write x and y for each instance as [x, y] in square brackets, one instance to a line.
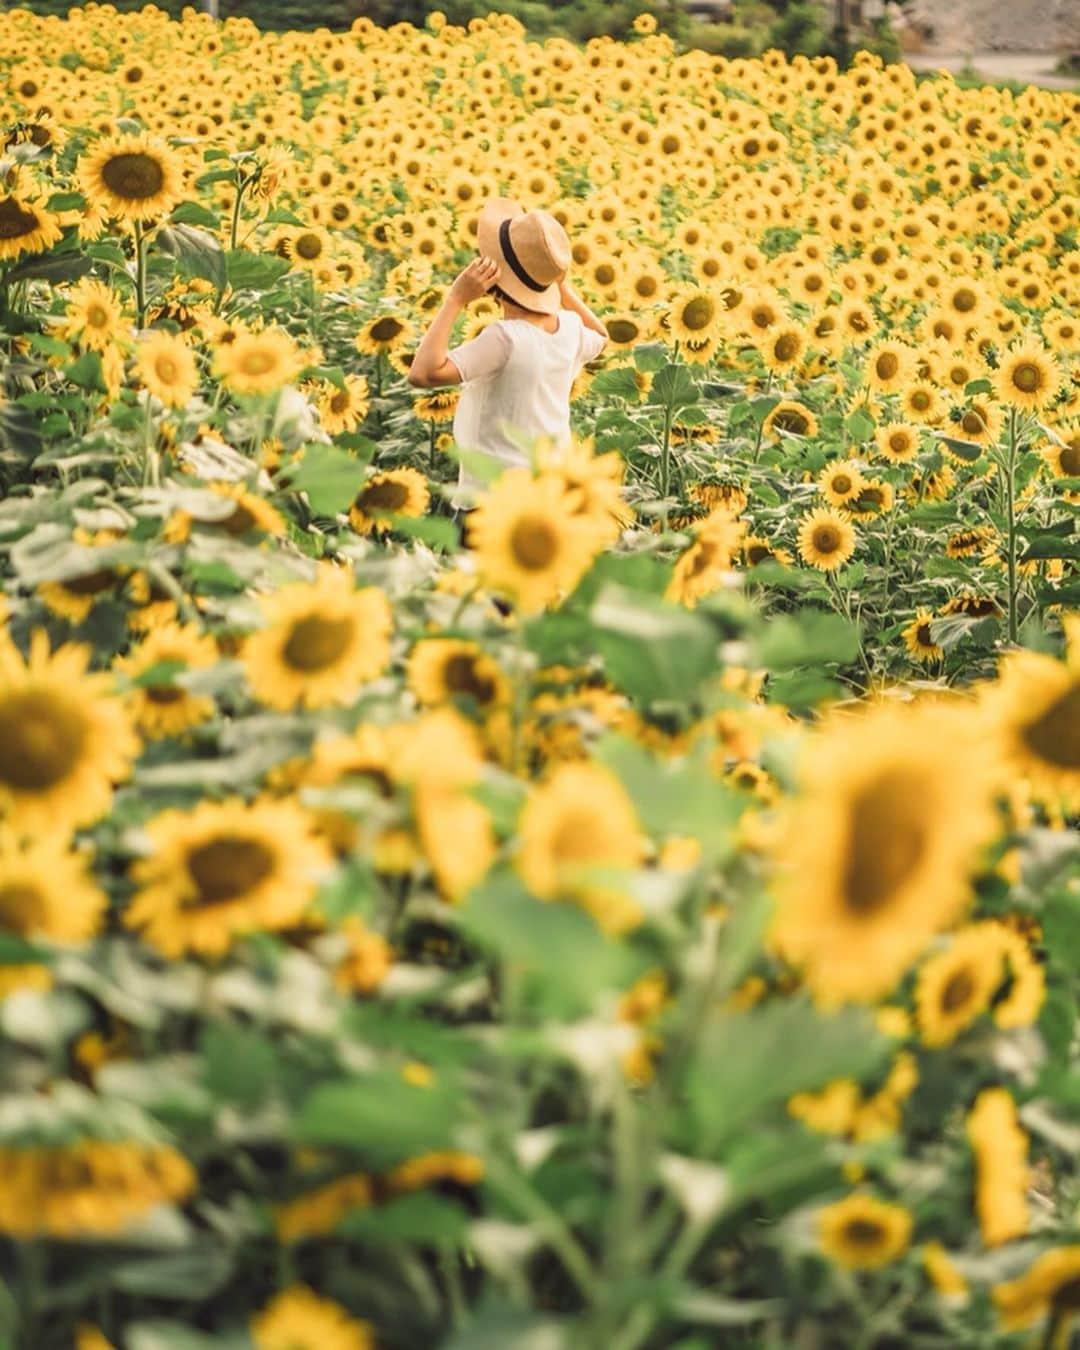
[755, 1060]
[15, 951]
[674, 796]
[380, 1116]
[673, 385]
[239, 1064]
[50, 267]
[420, 1218]
[1050, 545]
[968, 451]
[560, 960]
[197, 253]
[192, 213]
[859, 425]
[330, 477]
[617, 383]
[437, 531]
[486, 469]
[652, 650]
[975, 387]
[248, 271]
[86, 371]
[498, 1326]
[650, 357]
[187, 1275]
[66, 201]
[807, 638]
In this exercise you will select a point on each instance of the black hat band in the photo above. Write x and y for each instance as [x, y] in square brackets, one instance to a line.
[513, 260]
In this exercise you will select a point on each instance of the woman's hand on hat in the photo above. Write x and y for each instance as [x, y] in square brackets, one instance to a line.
[475, 280]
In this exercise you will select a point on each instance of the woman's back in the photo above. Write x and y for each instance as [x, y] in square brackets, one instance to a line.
[516, 377]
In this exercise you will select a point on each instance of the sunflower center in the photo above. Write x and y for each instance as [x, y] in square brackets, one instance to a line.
[20, 907]
[923, 635]
[15, 220]
[1055, 735]
[238, 522]
[1027, 377]
[91, 583]
[388, 495]
[163, 694]
[462, 677]
[787, 347]
[42, 738]
[794, 422]
[826, 538]
[226, 868]
[575, 840]
[841, 483]
[762, 317]
[386, 330]
[698, 313]
[308, 246]
[920, 400]
[972, 423]
[316, 642]
[258, 362]
[957, 991]
[340, 402]
[863, 1233]
[1066, 1297]
[887, 840]
[534, 543]
[165, 368]
[622, 331]
[1070, 459]
[887, 365]
[965, 300]
[133, 176]
[97, 316]
[899, 444]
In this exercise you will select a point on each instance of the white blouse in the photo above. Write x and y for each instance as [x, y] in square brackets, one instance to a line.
[516, 377]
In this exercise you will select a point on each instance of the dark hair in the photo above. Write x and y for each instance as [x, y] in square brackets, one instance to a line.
[500, 294]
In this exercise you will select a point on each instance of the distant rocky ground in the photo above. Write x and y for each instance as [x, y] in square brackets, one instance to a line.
[998, 25]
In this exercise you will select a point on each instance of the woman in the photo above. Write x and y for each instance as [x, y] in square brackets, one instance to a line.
[517, 374]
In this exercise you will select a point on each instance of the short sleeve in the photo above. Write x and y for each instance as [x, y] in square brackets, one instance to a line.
[484, 355]
[592, 344]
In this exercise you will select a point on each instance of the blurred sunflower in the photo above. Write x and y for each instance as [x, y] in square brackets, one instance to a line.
[876, 866]
[64, 737]
[955, 986]
[166, 367]
[442, 669]
[133, 177]
[395, 492]
[93, 316]
[862, 1233]
[25, 227]
[297, 1319]
[1002, 1175]
[258, 363]
[46, 890]
[1047, 1290]
[222, 870]
[322, 641]
[160, 705]
[384, 333]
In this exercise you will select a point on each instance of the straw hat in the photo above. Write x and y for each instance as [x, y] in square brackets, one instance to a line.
[532, 251]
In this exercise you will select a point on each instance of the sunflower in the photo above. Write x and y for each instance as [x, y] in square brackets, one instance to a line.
[757, 549]
[593, 485]
[707, 564]
[1063, 460]
[840, 483]
[442, 669]
[93, 316]
[297, 1319]
[862, 1233]
[694, 313]
[88, 1187]
[575, 828]
[943, 1273]
[74, 597]
[978, 421]
[64, 740]
[1033, 710]
[322, 641]
[1050, 1288]
[222, 870]
[131, 177]
[427, 1169]
[1002, 1177]
[384, 333]
[456, 834]
[790, 417]
[898, 442]
[783, 347]
[526, 542]
[1027, 378]
[437, 407]
[25, 227]
[343, 409]
[955, 986]
[166, 367]
[826, 540]
[307, 247]
[921, 402]
[970, 542]
[161, 706]
[395, 492]
[877, 864]
[258, 363]
[46, 891]
[889, 366]
[624, 329]
[318, 1212]
[919, 639]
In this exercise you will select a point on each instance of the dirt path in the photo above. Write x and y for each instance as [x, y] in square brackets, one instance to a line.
[1028, 67]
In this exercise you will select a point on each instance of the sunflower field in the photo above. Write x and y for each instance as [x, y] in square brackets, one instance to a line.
[641, 914]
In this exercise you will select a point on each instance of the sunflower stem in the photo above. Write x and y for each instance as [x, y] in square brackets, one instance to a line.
[140, 274]
[1010, 516]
